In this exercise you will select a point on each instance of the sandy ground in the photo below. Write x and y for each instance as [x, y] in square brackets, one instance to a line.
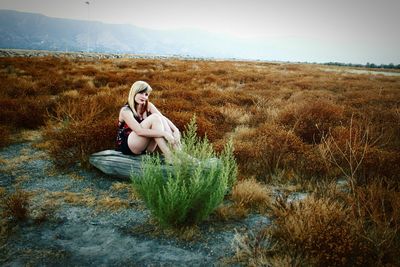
[91, 219]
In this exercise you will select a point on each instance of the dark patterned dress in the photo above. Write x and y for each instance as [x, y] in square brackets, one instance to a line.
[123, 134]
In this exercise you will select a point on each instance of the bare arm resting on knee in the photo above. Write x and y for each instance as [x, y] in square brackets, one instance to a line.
[168, 124]
[127, 116]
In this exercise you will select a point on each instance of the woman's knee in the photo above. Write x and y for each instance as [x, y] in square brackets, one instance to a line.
[156, 119]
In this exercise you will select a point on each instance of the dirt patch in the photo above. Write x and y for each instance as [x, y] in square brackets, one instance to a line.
[85, 218]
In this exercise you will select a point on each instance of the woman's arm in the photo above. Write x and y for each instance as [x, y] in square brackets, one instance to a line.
[153, 110]
[126, 115]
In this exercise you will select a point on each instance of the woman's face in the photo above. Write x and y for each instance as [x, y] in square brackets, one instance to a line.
[141, 97]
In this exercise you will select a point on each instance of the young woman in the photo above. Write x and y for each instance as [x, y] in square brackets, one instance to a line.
[142, 128]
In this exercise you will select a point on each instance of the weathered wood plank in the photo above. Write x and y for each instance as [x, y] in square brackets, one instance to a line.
[115, 163]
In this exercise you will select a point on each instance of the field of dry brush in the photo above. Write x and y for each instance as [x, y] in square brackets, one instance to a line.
[290, 123]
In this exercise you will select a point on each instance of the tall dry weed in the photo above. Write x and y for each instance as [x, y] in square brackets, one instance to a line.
[358, 156]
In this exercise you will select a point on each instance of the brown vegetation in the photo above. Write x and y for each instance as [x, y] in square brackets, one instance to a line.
[329, 228]
[15, 206]
[286, 119]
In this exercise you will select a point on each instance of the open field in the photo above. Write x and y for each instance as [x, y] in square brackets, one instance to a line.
[293, 126]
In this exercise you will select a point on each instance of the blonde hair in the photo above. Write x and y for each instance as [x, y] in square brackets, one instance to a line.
[138, 87]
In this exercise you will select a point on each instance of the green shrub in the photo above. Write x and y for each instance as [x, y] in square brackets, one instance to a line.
[188, 190]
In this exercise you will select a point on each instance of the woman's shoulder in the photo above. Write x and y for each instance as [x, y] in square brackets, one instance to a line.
[125, 108]
[125, 111]
[151, 107]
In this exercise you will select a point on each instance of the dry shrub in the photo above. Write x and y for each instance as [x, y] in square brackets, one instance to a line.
[110, 78]
[71, 94]
[219, 124]
[101, 80]
[265, 110]
[376, 214]
[204, 127]
[216, 96]
[127, 78]
[27, 113]
[76, 141]
[85, 71]
[378, 162]
[230, 211]
[251, 194]
[357, 156]
[82, 126]
[235, 114]
[313, 165]
[123, 64]
[311, 121]
[248, 77]
[80, 82]
[19, 87]
[179, 118]
[6, 134]
[211, 78]
[316, 230]
[54, 83]
[168, 105]
[15, 206]
[146, 64]
[177, 95]
[267, 149]
[250, 250]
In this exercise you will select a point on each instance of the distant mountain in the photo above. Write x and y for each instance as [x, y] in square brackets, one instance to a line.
[22, 30]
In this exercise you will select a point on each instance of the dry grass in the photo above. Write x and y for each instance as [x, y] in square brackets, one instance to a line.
[329, 228]
[108, 203]
[264, 150]
[318, 230]
[87, 198]
[251, 194]
[78, 101]
[16, 206]
[230, 212]
[247, 196]
[312, 119]
[289, 122]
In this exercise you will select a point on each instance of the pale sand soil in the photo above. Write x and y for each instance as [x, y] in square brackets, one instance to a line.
[93, 220]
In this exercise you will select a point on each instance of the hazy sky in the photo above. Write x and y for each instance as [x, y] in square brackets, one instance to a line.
[357, 31]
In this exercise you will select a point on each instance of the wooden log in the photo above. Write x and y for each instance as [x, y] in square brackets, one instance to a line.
[117, 164]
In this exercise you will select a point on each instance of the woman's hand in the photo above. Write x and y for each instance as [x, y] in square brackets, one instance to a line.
[177, 136]
[170, 139]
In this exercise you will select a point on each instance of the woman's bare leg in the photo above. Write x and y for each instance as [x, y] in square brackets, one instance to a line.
[137, 144]
[152, 146]
[167, 128]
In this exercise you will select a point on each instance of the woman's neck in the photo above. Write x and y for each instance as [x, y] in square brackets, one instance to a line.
[140, 109]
